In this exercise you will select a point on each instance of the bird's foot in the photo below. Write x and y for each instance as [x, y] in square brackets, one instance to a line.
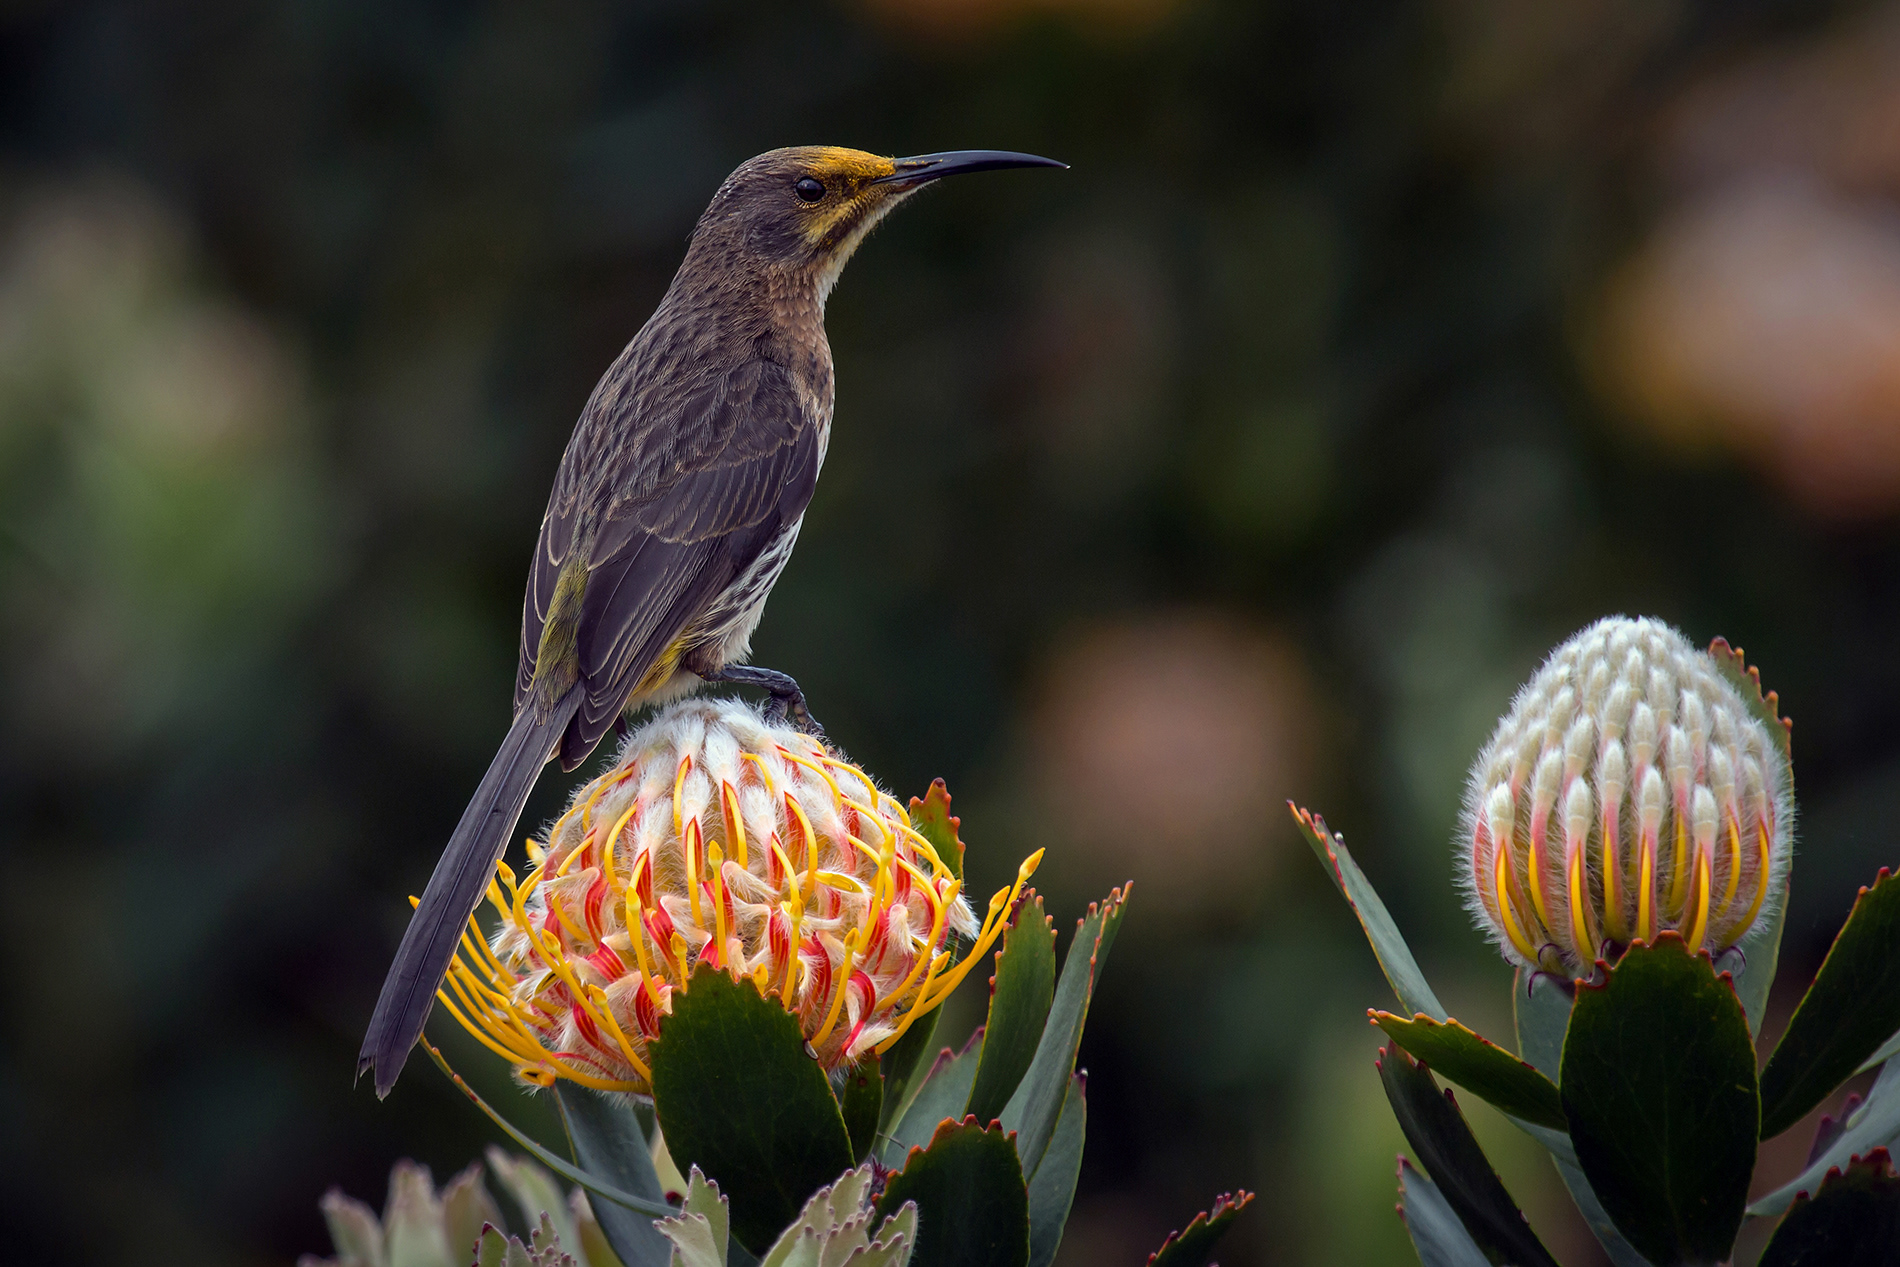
[787, 701]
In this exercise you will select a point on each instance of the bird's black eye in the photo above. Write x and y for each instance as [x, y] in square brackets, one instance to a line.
[809, 190]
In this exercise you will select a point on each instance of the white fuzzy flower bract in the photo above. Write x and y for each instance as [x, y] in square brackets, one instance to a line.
[1630, 789]
[717, 838]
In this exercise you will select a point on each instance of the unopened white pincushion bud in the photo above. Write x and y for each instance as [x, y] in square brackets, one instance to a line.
[1630, 789]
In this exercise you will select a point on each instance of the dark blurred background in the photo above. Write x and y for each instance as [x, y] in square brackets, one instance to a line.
[1367, 350]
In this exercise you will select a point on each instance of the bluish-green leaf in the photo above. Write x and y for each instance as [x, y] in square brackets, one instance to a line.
[905, 1066]
[1052, 1187]
[1659, 1086]
[1445, 1147]
[607, 1140]
[972, 1204]
[1436, 1232]
[1853, 1219]
[1020, 994]
[1032, 1111]
[1875, 1124]
[945, 1090]
[1479, 1066]
[1541, 1007]
[861, 1102]
[1851, 1008]
[1193, 1244]
[559, 1165]
[738, 1096]
[1388, 946]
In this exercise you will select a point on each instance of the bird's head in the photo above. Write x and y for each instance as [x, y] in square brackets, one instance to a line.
[805, 209]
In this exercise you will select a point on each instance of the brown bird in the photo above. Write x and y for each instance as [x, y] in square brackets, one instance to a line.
[674, 510]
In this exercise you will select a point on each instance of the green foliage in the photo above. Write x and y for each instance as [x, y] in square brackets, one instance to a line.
[1850, 1009]
[464, 1224]
[1437, 1233]
[608, 1140]
[1020, 996]
[1479, 1066]
[930, 815]
[542, 1250]
[1191, 1246]
[1388, 944]
[1874, 1124]
[560, 1166]
[1052, 1187]
[971, 1198]
[945, 1090]
[1037, 1102]
[1854, 1218]
[861, 1103]
[738, 1098]
[905, 1066]
[1659, 1086]
[1444, 1145]
[835, 1227]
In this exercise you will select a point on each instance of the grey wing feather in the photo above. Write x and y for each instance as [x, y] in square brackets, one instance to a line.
[712, 486]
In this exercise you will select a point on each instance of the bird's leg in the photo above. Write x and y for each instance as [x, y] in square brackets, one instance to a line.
[788, 701]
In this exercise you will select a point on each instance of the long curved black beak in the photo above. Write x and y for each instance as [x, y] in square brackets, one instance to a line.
[923, 168]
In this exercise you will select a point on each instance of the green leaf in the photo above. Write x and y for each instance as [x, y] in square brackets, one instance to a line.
[1659, 1086]
[972, 1206]
[413, 1235]
[861, 1102]
[1437, 1235]
[498, 1250]
[535, 1193]
[1540, 1006]
[931, 816]
[466, 1206]
[1886, 1051]
[738, 1096]
[1762, 954]
[831, 1227]
[1191, 1246]
[1762, 946]
[1854, 1218]
[1394, 956]
[1449, 1153]
[1850, 1009]
[1020, 994]
[945, 1091]
[559, 1165]
[701, 1231]
[905, 1066]
[355, 1231]
[1052, 1187]
[1479, 1066]
[1032, 1111]
[1875, 1124]
[608, 1140]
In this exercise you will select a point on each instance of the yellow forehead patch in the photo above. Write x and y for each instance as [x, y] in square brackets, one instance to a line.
[852, 165]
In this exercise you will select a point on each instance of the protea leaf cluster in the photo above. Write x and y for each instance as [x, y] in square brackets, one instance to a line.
[1628, 823]
[727, 956]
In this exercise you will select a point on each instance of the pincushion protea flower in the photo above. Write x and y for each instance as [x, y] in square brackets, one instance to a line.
[1630, 789]
[716, 839]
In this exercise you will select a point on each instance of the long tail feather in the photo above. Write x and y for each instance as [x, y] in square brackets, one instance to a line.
[460, 879]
